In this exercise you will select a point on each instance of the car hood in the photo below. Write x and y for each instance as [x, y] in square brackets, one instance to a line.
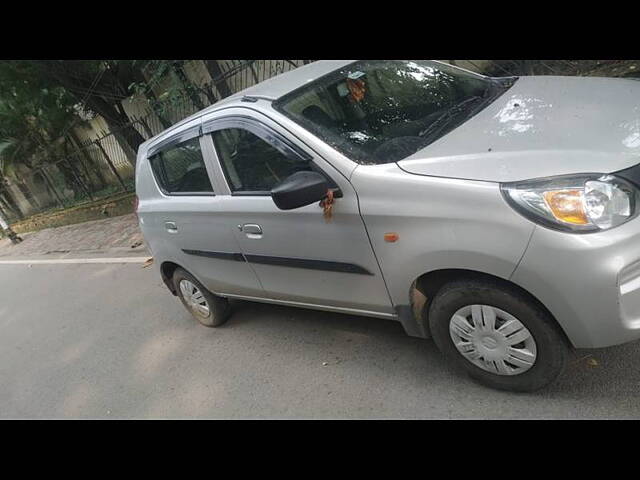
[541, 126]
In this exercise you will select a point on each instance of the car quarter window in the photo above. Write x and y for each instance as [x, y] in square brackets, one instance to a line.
[251, 164]
[180, 169]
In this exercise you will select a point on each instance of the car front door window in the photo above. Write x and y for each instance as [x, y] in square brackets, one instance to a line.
[252, 165]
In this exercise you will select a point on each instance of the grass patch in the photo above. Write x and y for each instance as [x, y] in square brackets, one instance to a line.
[111, 206]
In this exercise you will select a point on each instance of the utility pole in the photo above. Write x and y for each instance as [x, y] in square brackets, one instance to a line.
[15, 239]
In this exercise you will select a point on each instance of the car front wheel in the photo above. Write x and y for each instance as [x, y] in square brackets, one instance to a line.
[500, 336]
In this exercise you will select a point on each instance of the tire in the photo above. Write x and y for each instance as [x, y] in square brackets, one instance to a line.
[218, 307]
[538, 359]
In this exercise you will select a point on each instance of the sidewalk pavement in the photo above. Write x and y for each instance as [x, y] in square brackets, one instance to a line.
[116, 234]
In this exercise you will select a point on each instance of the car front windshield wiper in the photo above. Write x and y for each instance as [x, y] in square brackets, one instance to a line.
[443, 119]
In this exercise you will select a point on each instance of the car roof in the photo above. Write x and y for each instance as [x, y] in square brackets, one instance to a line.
[275, 87]
[270, 89]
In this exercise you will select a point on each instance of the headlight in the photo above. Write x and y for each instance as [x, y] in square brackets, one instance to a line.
[574, 203]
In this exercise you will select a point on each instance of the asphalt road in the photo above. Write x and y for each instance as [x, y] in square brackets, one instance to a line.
[108, 341]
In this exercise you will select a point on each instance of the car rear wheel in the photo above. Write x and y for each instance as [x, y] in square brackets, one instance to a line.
[209, 309]
[500, 336]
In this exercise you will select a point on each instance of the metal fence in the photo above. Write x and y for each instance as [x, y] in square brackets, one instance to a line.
[96, 169]
[499, 68]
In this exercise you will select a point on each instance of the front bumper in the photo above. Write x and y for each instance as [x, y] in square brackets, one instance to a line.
[589, 282]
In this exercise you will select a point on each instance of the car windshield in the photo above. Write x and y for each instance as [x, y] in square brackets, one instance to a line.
[381, 111]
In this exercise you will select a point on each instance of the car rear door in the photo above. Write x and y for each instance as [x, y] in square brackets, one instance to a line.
[299, 257]
[184, 220]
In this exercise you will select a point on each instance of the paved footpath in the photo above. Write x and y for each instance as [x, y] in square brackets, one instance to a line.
[116, 234]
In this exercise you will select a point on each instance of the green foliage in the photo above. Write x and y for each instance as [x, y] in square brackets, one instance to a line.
[41, 100]
[162, 87]
[32, 115]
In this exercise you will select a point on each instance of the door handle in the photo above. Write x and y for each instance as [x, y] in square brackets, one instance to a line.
[171, 227]
[252, 230]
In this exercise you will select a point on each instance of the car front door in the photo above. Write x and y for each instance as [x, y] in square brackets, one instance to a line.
[299, 256]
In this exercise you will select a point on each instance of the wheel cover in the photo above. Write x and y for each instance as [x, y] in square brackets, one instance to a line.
[194, 298]
[493, 340]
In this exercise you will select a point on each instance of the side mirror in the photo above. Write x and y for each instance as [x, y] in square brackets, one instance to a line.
[299, 189]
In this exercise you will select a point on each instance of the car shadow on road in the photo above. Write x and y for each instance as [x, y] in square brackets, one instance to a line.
[606, 371]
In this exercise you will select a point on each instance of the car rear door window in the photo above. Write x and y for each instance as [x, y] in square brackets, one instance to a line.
[251, 164]
[180, 169]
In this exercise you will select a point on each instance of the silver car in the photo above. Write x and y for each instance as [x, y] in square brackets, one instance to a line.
[496, 215]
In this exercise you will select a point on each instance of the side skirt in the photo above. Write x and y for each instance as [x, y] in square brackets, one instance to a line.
[312, 306]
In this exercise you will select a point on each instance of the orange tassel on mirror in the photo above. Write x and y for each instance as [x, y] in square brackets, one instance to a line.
[327, 206]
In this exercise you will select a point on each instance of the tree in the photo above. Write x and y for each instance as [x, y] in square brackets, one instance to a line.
[99, 86]
[176, 85]
[4, 226]
[216, 74]
[33, 120]
[189, 87]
